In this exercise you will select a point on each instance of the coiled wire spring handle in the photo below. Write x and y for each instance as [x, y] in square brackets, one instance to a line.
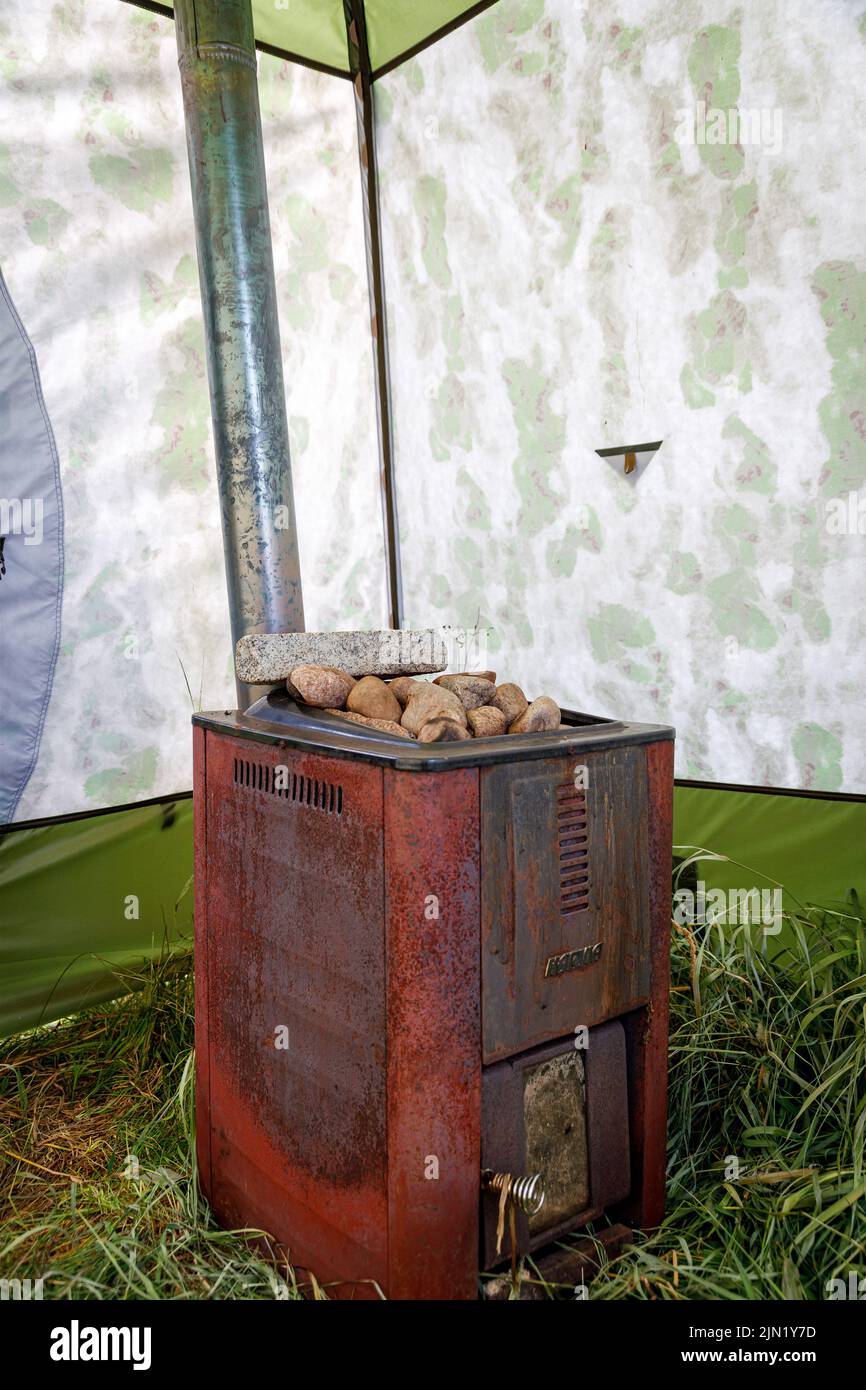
[525, 1193]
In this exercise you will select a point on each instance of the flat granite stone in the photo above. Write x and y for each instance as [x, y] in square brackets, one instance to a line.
[265, 658]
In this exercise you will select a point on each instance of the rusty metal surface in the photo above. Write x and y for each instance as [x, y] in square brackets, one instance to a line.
[536, 983]
[585, 1170]
[647, 1031]
[295, 941]
[504, 1147]
[324, 731]
[503, 1150]
[607, 1115]
[434, 1033]
[346, 903]
[202, 1004]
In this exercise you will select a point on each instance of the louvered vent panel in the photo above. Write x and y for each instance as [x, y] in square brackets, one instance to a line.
[279, 781]
[573, 834]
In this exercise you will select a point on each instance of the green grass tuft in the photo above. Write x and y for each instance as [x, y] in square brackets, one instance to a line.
[768, 1072]
[767, 1063]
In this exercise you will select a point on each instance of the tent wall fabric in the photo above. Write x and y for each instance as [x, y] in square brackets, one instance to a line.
[813, 847]
[98, 251]
[535, 316]
[315, 32]
[88, 902]
[606, 224]
[31, 557]
[601, 225]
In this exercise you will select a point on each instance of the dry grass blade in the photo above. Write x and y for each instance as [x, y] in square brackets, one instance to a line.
[766, 1174]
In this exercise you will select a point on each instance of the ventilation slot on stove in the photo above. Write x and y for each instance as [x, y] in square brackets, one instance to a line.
[278, 781]
[573, 835]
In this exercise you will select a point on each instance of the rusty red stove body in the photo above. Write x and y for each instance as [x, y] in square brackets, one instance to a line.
[414, 962]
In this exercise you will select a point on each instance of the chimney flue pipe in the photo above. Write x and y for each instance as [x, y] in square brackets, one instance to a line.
[217, 58]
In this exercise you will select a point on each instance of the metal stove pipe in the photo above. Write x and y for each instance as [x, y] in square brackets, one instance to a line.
[217, 57]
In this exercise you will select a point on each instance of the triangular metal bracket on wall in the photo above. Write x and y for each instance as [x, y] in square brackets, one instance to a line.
[630, 461]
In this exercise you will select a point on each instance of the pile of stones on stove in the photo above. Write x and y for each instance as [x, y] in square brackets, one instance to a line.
[466, 705]
[373, 679]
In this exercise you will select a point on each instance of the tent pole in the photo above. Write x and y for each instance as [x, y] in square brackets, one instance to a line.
[216, 54]
[362, 81]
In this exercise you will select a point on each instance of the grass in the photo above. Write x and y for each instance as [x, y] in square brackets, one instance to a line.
[766, 1174]
[96, 1158]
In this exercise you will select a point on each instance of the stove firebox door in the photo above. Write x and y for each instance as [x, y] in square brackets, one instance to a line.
[561, 1111]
